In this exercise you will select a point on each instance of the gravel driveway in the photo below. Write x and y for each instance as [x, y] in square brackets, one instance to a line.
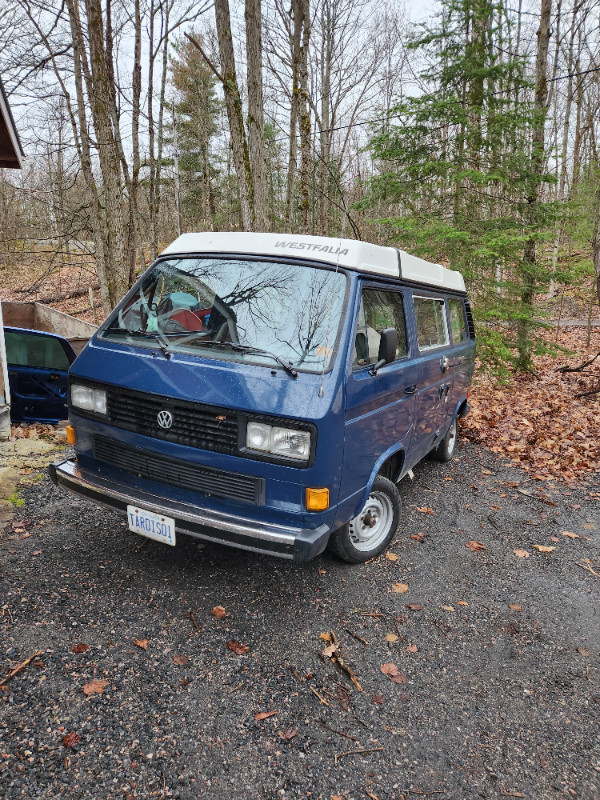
[491, 671]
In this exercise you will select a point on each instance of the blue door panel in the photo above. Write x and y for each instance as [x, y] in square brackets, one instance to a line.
[38, 365]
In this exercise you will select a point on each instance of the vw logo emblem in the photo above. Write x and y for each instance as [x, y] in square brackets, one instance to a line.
[164, 419]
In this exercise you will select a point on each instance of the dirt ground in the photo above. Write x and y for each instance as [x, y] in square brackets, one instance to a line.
[467, 661]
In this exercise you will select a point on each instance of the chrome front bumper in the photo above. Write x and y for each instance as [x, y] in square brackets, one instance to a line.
[299, 544]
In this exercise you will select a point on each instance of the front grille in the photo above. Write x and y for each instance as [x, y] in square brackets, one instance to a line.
[194, 424]
[171, 471]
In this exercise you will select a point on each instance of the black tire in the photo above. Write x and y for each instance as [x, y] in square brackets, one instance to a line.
[370, 532]
[447, 447]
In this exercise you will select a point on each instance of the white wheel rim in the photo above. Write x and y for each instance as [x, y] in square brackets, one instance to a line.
[452, 437]
[371, 527]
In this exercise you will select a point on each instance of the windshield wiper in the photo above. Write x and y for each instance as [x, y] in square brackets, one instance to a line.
[248, 348]
[152, 335]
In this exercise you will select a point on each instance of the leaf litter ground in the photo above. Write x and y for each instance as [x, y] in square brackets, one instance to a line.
[538, 421]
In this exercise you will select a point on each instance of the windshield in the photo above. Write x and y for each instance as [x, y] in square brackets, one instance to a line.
[236, 309]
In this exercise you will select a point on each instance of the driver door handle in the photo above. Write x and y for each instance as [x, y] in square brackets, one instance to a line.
[411, 389]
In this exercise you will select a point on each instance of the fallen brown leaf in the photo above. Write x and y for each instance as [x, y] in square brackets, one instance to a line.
[95, 687]
[475, 546]
[584, 651]
[238, 647]
[570, 534]
[412, 648]
[391, 670]
[264, 715]
[143, 643]
[448, 608]
[542, 548]
[391, 637]
[378, 698]
[522, 553]
[218, 612]
[71, 739]
[329, 651]
[425, 509]
[180, 660]
[515, 607]
[462, 603]
[400, 588]
[391, 556]
[417, 537]
[80, 647]
[414, 606]
[288, 734]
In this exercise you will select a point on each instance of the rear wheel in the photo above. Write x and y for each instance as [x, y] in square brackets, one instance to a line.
[445, 449]
[371, 530]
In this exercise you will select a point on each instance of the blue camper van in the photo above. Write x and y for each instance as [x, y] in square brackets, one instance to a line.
[269, 391]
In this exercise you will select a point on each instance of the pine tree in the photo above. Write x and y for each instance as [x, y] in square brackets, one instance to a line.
[456, 166]
[196, 115]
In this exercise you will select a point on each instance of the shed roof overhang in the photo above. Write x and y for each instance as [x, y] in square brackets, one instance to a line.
[11, 153]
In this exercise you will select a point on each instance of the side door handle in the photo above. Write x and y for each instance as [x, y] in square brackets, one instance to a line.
[444, 363]
[411, 389]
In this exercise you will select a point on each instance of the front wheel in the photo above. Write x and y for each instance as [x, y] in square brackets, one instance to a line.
[445, 449]
[373, 528]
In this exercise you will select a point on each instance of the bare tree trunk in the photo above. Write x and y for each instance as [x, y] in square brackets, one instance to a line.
[256, 137]
[135, 144]
[302, 9]
[295, 46]
[325, 134]
[85, 158]
[108, 153]
[528, 268]
[233, 104]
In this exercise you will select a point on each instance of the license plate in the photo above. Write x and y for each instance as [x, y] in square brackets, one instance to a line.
[154, 526]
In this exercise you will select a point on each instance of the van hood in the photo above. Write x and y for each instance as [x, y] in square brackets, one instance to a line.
[230, 384]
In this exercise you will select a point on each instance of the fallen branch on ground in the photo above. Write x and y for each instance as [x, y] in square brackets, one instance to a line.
[20, 667]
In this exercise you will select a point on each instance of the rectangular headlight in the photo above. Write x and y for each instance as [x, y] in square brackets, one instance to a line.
[88, 398]
[291, 443]
[286, 442]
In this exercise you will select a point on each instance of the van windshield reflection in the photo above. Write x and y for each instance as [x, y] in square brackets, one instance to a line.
[267, 311]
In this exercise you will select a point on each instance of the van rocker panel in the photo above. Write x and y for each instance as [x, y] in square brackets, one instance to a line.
[299, 544]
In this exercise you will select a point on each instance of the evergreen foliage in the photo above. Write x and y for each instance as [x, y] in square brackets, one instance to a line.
[456, 168]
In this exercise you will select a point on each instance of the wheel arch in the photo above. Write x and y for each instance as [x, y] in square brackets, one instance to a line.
[389, 464]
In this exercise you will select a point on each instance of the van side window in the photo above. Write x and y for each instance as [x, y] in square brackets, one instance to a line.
[378, 310]
[457, 321]
[430, 316]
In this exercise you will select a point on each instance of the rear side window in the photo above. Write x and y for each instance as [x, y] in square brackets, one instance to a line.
[32, 350]
[379, 309]
[430, 316]
[458, 323]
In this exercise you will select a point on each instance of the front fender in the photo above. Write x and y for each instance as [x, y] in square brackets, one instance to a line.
[394, 450]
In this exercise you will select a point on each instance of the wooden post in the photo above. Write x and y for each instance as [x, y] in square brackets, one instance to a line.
[4, 387]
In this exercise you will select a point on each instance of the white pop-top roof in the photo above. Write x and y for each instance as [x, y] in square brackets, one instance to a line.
[361, 256]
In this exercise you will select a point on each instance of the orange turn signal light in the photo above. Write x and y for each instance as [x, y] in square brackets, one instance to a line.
[317, 499]
[71, 437]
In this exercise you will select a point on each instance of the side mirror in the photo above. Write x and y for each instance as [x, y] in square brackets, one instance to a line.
[387, 349]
